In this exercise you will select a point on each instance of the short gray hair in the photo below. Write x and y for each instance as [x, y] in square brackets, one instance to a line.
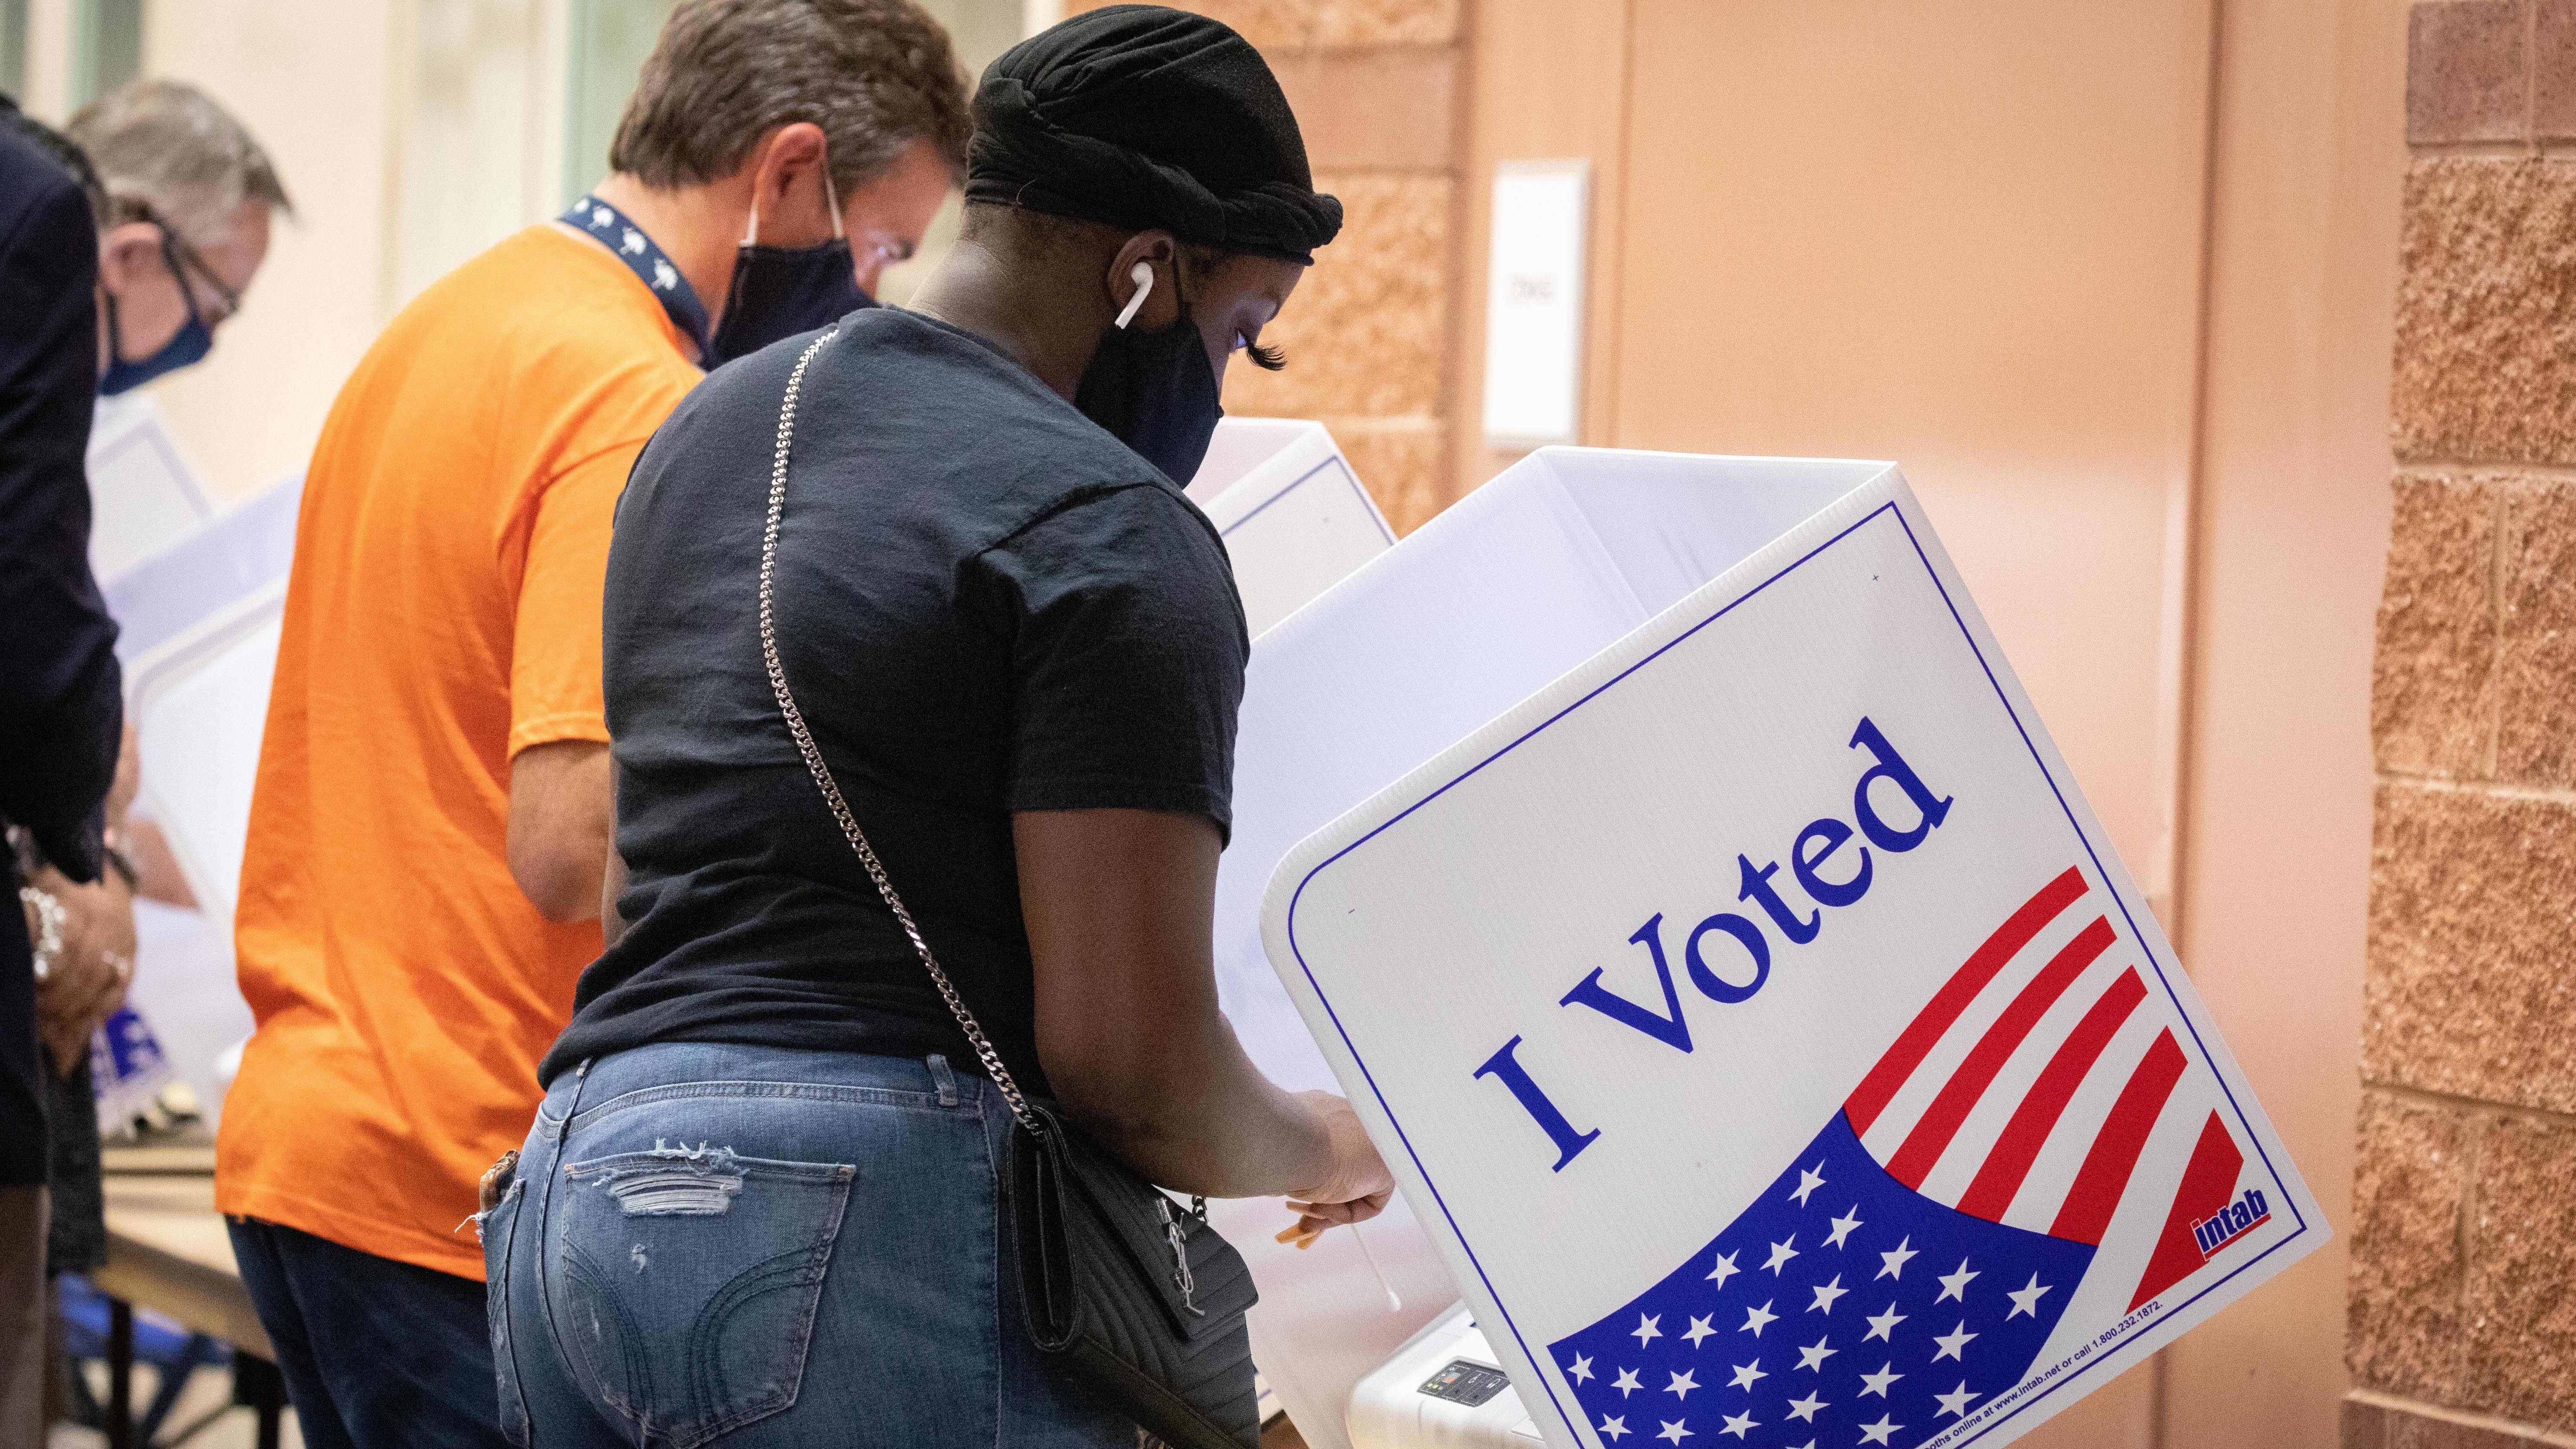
[165, 147]
[876, 75]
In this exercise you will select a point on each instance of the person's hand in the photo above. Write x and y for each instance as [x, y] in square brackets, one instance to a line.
[1356, 1183]
[88, 980]
[157, 876]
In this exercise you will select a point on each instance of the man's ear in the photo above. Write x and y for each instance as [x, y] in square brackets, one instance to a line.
[789, 159]
[1155, 249]
[125, 251]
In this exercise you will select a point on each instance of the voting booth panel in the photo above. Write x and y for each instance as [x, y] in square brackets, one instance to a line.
[197, 634]
[1484, 605]
[189, 999]
[199, 704]
[143, 497]
[1241, 445]
[1295, 519]
[234, 554]
[1752, 1010]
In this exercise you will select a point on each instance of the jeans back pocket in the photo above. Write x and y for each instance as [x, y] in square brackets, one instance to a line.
[687, 1280]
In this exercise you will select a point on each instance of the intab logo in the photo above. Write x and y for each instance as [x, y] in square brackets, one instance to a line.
[2231, 1222]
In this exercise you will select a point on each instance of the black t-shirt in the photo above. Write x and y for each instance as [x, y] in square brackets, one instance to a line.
[984, 604]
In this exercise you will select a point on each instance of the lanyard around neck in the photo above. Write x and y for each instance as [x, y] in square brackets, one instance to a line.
[622, 237]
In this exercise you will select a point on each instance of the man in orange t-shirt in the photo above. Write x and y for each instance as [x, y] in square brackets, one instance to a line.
[432, 813]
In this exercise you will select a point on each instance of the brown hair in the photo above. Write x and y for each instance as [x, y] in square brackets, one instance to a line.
[876, 75]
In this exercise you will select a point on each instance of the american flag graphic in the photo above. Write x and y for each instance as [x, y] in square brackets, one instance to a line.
[1912, 1262]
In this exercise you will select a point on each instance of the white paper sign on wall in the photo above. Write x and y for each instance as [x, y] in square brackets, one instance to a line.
[1534, 304]
[1758, 1021]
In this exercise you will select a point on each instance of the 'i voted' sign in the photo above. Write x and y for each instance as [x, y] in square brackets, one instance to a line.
[1759, 1021]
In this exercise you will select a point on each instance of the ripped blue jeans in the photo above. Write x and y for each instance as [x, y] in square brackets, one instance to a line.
[758, 1246]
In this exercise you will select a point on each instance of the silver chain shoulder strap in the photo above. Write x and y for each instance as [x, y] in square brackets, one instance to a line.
[999, 1075]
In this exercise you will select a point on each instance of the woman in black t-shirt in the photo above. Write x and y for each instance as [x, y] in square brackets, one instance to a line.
[1017, 650]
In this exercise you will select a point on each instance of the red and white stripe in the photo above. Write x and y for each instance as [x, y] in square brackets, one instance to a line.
[2042, 1087]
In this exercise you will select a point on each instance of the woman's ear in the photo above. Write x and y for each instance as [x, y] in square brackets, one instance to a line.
[1160, 256]
[1142, 274]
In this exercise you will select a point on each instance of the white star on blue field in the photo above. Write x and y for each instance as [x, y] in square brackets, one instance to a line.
[1892, 1317]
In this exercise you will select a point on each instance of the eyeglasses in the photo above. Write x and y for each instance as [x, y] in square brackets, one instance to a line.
[184, 260]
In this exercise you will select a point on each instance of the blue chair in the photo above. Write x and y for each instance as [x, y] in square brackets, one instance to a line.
[89, 1327]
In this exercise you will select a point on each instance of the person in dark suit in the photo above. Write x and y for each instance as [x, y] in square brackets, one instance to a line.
[60, 710]
[123, 246]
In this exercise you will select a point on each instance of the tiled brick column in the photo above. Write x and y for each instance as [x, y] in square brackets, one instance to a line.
[2463, 1288]
[1376, 85]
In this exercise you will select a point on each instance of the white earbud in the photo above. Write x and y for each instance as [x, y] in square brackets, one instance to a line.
[1142, 274]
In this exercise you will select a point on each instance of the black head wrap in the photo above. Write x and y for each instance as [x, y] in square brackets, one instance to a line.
[1140, 116]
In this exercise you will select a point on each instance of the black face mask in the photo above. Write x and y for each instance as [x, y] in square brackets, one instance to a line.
[1155, 392]
[781, 291]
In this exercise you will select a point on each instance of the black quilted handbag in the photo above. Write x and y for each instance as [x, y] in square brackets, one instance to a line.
[1124, 1291]
[1129, 1291]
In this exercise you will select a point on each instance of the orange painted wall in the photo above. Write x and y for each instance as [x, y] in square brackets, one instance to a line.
[1962, 237]
[2292, 533]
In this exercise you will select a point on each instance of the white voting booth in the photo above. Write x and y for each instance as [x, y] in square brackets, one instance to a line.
[143, 497]
[199, 703]
[1294, 518]
[198, 632]
[176, 571]
[223, 560]
[1661, 854]
[201, 621]
[1513, 586]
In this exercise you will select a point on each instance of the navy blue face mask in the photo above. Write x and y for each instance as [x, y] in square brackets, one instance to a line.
[192, 343]
[1154, 391]
[781, 291]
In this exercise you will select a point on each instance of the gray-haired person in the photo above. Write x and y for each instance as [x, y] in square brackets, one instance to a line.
[189, 200]
[183, 197]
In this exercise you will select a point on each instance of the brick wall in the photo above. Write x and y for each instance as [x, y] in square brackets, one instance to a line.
[2462, 1295]
[1377, 89]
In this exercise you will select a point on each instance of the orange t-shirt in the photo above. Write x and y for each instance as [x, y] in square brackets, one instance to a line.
[443, 615]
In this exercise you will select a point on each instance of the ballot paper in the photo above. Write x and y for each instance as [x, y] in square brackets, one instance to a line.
[1755, 1016]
